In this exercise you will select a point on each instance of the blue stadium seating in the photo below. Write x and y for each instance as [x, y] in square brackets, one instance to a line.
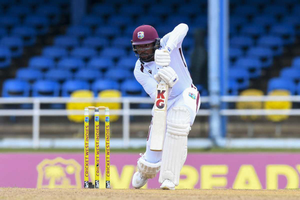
[100, 63]
[89, 75]
[15, 44]
[256, 3]
[277, 11]
[56, 53]
[31, 3]
[293, 21]
[282, 83]
[72, 85]
[104, 84]
[234, 54]
[127, 63]
[275, 43]
[242, 42]
[59, 75]
[15, 88]
[41, 63]
[253, 65]
[177, 19]
[96, 43]
[246, 10]
[253, 30]
[29, 75]
[9, 22]
[84, 53]
[40, 23]
[71, 63]
[158, 10]
[296, 10]
[241, 76]
[5, 57]
[119, 20]
[291, 74]
[45, 88]
[19, 11]
[163, 29]
[79, 31]
[132, 10]
[122, 42]
[232, 88]
[236, 23]
[92, 21]
[52, 13]
[118, 74]
[64, 5]
[285, 31]
[103, 9]
[27, 34]
[113, 53]
[3, 32]
[67, 42]
[266, 21]
[131, 88]
[107, 31]
[265, 55]
[188, 9]
[146, 19]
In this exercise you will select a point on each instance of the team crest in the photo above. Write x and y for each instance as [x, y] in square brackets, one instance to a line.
[140, 35]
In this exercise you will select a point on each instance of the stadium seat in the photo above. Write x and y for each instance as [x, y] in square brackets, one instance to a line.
[107, 31]
[45, 88]
[266, 21]
[122, 42]
[96, 43]
[52, 12]
[15, 44]
[118, 75]
[104, 84]
[3, 32]
[131, 88]
[5, 57]
[275, 43]
[241, 76]
[234, 54]
[67, 42]
[15, 88]
[188, 10]
[84, 53]
[20, 11]
[257, 3]
[27, 34]
[70, 86]
[111, 105]
[79, 31]
[89, 75]
[285, 31]
[296, 10]
[232, 88]
[103, 9]
[63, 5]
[163, 29]
[92, 21]
[71, 63]
[277, 11]
[177, 19]
[58, 75]
[265, 55]
[161, 11]
[100, 63]
[113, 53]
[242, 42]
[127, 63]
[8, 22]
[146, 19]
[281, 84]
[132, 10]
[291, 74]
[296, 62]
[31, 3]
[253, 30]
[41, 63]
[79, 105]
[252, 65]
[40, 23]
[29, 75]
[119, 20]
[56, 53]
[246, 11]
[293, 21]
[236, 23]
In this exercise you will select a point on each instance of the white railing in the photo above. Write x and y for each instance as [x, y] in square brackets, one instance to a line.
[126, 112]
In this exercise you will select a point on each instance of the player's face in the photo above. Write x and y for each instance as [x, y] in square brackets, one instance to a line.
[145, 51]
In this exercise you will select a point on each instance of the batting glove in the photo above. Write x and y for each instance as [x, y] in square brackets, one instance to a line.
[168, 75]
[162, 57]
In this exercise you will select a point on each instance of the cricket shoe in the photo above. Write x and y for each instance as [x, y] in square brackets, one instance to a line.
[138, 180]
[167, 185]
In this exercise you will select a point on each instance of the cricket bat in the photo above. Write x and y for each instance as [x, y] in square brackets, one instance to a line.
[159, 117]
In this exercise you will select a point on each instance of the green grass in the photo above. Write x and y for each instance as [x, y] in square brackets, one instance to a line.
[142, 150]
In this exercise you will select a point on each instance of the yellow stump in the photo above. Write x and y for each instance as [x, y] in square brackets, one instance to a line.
[97, 150]
[86, 148]
[107, 148]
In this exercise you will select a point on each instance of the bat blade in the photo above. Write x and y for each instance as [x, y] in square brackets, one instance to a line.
[159, 117]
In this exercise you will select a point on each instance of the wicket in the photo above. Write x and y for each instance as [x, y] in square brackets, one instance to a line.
[88, 184]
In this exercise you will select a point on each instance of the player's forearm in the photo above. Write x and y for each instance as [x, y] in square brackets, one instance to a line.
[177, 36]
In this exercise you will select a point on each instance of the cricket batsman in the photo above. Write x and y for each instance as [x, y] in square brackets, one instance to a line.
[162, 59]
